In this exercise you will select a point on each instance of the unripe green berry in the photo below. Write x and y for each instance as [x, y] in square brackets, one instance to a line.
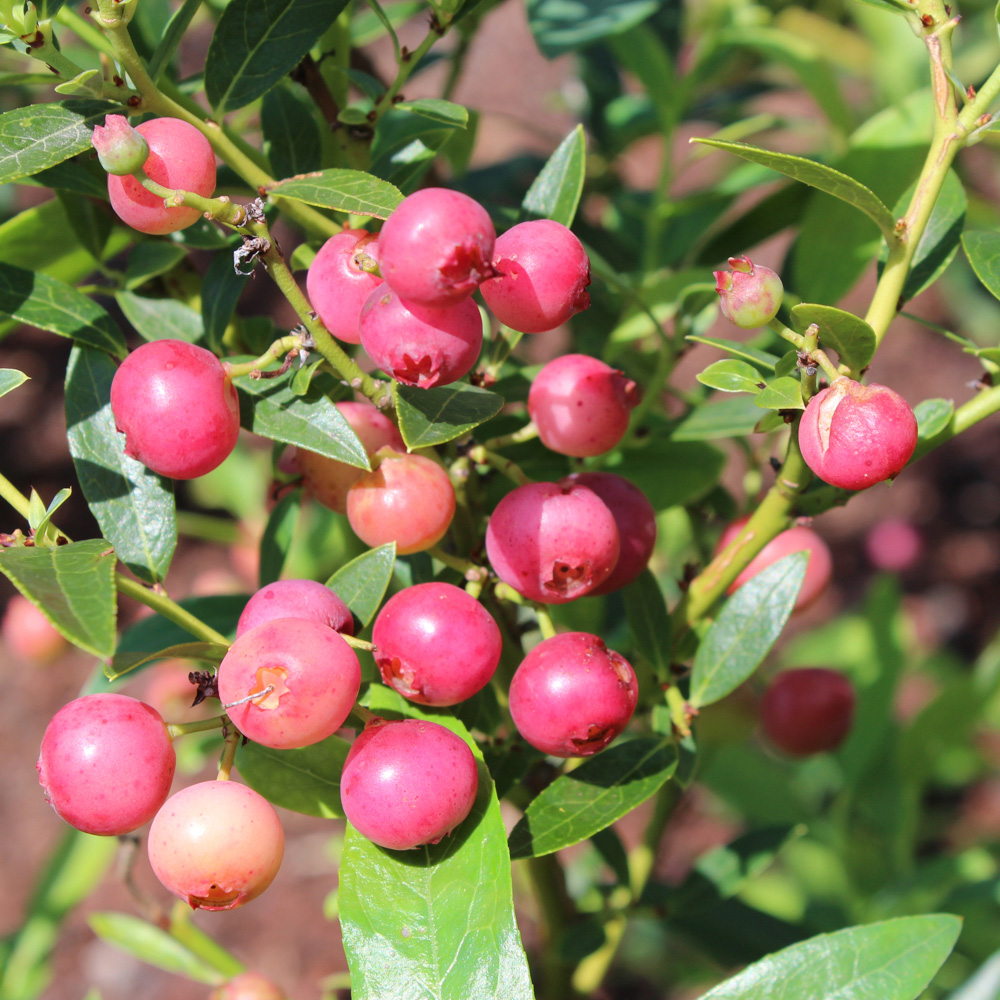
[750, 294]
[120, 148]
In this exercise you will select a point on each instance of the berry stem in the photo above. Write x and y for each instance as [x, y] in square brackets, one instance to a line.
[406, 64]
[469, 570]
[527, 433]
[363, 714]
[482, 456]
[169, 609]
[233, 738]
[275, 352]
[175, 729]
[808, 344]
[545, 623]
[356, 643]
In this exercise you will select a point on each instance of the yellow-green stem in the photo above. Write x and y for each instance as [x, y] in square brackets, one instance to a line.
[169, 609]
[233, 738]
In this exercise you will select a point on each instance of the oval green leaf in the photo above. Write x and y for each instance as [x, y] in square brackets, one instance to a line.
[432, 416]
[783, 393]
[851, 337]
[647, 616]
[731, 376]
[161, 319]
[762, 359]
[351, 191]
[982, 247]
[362, 583]
[933, 415]
[731, 416]
[123, 663]
[555, 192]
[671, 473]
[291, 135]
[10, 379]
[277, 538]
[562, 27]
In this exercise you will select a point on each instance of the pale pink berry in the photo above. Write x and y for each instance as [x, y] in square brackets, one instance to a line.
[28, 634]
[248, 986]
[340, 278]
[750, 294]
[542, 276]
[296, 599]
[853, 435]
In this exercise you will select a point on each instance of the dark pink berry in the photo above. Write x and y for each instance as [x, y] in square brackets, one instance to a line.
[580, 405]
[216, 845]
[636, 521]
[435, 644]
[312, 673]
[551, 542]
[407, 783]
[106, 763]
[328, 480]
[406, 499]
[177, 408]
[542, 276]
[180, 158]
[893, 545]
[807, 711]
[819, 568]
[436, 247]
[339, 280]
[571, 695]
[750, 294]
[296, 599]
[854, 436]
[421, 345]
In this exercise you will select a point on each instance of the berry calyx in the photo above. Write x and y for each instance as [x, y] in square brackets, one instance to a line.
[749, 294]
[339, 280]
[854, 436]
[296, 599]
[408, 782]
[571, 695]
[106, 763]
[121, 149]
[177, 408]
[807, 711]
[216, 845]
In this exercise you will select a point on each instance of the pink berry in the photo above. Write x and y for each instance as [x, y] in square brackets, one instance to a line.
[296, 599]
[436, 247]
[338, 281]
[571, 695]
[248, 986]
[314, 678]
[436, 645]
[552, 542]
[181, 158]
[407, 783]
[406, 499]
[177, 408]
[421, 345]
[636, 521]
[807, 711]
[580, 405]
[329, 480]
[893, 545]
[106, 763]
[819, 568]
[750, 294]
[853, 435]
[216, 845]
[28, 634]
[542, 276]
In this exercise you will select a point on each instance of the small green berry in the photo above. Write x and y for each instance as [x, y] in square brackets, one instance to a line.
[120, 148]
[749, 294]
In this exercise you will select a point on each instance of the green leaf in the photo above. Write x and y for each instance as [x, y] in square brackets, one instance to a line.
[762, 359]
[746, 629]
[306, 780]
[10, 379]
[42, 135]
[933, 415]
[150, 944]
[562, 27]
[731, 376]
[891, 960]
[291, 135]
[221, 289]
[362, 583]
[151, 259]
[257, 42]
[38, 300]
[277, 537]
[351, 191]
[446, 112]
[172, 35]
[123, 663]
[270, 408]
[74, 585]
[783, 393]
[852, 338]
[432, 416]
[555, 192]
[816, 175]
[160, 319]
[672, 473]
[592, 796]
[133, 506]
[982, 247]
[647, 616]
[889, 5]
[732, 416]
[221, 612]
[436, 922]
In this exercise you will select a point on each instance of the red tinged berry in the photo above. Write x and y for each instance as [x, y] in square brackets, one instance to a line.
[749, 294]
[854, 436]
[296, 599]
[248, 986]
[807, 711]
[571, 695]
[339, 280]
[177, 408]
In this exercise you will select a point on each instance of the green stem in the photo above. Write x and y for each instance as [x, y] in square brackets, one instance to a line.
[356, 643]
[466, 567]
[170, 610]
[407, 62]
[545, 624]
[527, 433]
[233, 738]
[549, 883]
[13, 496]
[504, 342]
[363, 714]
[483, 456]
[275, 352]
[175, 729]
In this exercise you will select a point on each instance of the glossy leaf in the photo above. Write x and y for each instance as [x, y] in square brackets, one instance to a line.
[150, 259]
[891, 960]
[42, 135]
[161, 319]
[816, 175]
[982, 247]
[49, 304]
[220, 611]
[933, 415]
[291, 135]
[555, 192]
[174, 31]
[277, 537]
[446, 112]
[672, 472]
[306, 780]
[133, 506]
[351, 191]
[560, 27]
[74, 585]
[10, 379]
[123, 663]
[851, 337]
[731, 376]
[257, 42]
[783, 393]
[648, 620]
[270, 408]
[436, 922]
[731, 416]
[745, 630]
[432, 416]
[221, 289]
[762, 359]
[362, 583]
[592, 796]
